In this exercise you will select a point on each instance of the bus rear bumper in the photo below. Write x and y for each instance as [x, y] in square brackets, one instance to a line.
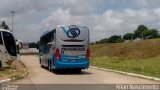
[64, 65]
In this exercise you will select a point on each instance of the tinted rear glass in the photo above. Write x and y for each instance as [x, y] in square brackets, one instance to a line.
[9, 43]
[0, 38]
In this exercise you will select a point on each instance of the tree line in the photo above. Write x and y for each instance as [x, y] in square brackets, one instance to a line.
[3, 25]
[142, 32]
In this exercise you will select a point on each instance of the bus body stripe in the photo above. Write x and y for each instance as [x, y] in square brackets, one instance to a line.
[64, 30]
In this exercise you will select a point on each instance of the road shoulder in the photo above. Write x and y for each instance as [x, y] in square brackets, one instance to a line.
[19, 72]
[125, 73]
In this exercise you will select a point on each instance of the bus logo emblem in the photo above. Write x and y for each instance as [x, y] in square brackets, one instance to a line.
[73, 32]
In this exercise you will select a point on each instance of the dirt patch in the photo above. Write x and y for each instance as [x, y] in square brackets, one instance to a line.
[15, 71]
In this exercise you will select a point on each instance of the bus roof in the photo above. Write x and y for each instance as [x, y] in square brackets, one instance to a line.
[5, 30]
[46, 33]
[71, 26]
[61, 26]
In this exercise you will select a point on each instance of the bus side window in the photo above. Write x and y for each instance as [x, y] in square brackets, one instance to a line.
[46, 49]
[51, 37]
[40, 48]
[54, 36]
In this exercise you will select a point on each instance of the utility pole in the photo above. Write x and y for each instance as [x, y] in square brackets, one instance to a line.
[12, 12]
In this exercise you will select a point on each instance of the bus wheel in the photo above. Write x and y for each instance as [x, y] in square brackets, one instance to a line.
[0, 64]
[41, 63]
[78, 70]
[49, 65]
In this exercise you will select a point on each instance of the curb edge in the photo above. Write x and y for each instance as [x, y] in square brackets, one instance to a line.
[13, 78]
[125, 73]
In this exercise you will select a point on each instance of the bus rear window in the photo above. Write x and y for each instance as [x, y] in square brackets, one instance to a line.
[9, 43]
[1, 39]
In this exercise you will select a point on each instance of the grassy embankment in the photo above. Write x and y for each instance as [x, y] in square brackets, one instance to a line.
[141, 57]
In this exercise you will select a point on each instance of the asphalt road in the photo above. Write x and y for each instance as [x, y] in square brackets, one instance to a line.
[90, 78]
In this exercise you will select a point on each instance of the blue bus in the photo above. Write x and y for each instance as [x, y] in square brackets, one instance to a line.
[65, 47]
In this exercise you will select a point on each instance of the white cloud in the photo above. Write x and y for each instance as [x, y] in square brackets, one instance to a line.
[33, 17]
[102, 25]
[157, 11]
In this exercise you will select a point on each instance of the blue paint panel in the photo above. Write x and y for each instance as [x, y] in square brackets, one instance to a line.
[70, 62]
[82, 65]
[65, 29]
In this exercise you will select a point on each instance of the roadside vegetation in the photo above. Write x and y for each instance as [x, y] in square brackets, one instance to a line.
[141, 57]
[142, 32]
[14, 72]
[6, 71]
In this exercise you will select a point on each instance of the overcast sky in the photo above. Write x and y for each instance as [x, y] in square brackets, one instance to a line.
[103, 17]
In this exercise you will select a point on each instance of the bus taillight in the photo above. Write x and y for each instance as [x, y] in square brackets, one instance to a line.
[88, 54]
[57, 54]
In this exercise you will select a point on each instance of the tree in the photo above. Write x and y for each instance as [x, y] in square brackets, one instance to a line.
[102, 41]
[97, 42]
[33, 45]
[4, 26]
[120, 40]
[128, 36]
[139, 32]
[92, 43]
[115, 39]
[149, 34]
[155, 33]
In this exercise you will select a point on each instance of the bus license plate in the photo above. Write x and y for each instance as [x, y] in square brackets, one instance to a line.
[73, 50]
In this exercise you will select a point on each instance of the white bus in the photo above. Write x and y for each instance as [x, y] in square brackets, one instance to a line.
[65, 47]
[8, 51]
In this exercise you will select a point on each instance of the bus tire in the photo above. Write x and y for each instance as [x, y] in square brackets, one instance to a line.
[41, 63]
[49, 66]
[42, 66]
[0, 64]
[79, 70]
[54, 70]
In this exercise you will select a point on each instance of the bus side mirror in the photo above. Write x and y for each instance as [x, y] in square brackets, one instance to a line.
[50, 43]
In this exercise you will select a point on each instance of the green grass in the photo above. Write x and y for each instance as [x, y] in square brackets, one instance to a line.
[148, 67]
[141, 57]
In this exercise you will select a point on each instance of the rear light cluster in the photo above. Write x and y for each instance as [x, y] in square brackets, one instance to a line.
[88, 54]
[57, 54]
